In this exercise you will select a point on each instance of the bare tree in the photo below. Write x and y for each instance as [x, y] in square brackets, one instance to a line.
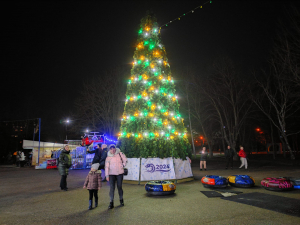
[279, 86]
[101, 103]
[277, 99]
[287, 46]
[227, 95]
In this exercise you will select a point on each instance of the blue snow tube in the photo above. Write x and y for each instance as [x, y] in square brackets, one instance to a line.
[160, 187]
[243, 181]
[213, 181]
[295, 181]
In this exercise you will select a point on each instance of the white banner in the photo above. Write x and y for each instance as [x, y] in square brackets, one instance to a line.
[183, 169]
[157, 169]
[133, 166]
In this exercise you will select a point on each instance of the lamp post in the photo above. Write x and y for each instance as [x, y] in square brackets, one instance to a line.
[67, 122]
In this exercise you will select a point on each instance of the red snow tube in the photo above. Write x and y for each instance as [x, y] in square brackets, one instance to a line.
[277, 184]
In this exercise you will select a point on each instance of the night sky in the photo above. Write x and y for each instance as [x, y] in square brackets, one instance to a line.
[49, 48]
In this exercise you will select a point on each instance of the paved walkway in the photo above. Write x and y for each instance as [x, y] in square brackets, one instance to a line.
[29, 196]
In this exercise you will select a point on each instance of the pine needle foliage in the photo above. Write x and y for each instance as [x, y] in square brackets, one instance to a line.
[152, 125]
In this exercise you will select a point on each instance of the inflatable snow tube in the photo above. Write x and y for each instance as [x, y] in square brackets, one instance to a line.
[213, 181]
[277, 184]
[243, 181]
[295, 182]
[160, 187]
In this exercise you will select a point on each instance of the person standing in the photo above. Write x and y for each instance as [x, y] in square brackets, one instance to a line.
[18, 156]
[93, 184]
[203, 158]
[15, 157]
[243, 157]
[97, 155]
[229, 153]
[63, 167]
[102, 161]
[114, 170]
[22, 158]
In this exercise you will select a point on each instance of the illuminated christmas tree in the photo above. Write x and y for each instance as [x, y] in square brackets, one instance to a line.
[152, 125]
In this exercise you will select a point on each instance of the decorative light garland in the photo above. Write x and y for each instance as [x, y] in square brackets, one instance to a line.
[191, 11]
[151, 81]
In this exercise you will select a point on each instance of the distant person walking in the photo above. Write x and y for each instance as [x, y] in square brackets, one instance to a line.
[64, 163]
[229, 153]
[93, 183]
[243, 158]
[203, 158]
[114, 171]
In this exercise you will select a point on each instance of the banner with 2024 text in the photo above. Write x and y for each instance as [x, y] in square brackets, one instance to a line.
[157, 169]
[183, 168]
[133, 166]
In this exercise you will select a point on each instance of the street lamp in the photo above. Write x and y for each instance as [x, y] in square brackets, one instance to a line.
[67, 122]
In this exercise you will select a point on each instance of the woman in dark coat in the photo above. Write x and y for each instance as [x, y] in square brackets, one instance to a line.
[63, 167]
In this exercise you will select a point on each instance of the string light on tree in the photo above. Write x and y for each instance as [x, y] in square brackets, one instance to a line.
[151, 125]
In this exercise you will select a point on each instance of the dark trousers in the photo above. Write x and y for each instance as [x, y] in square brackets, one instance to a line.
[63, 182]
[94, 193]
[229, 160]
[112, 182]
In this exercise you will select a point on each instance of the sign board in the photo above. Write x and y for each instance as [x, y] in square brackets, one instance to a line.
[157, 169]
[133, 166]
[183, 168]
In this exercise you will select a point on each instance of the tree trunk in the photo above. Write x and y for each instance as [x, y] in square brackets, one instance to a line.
[288, 145]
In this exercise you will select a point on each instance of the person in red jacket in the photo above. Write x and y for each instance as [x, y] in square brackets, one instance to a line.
[93, 183]
[243, 158]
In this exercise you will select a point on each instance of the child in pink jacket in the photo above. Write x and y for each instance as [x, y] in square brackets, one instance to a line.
[93, 183]
[114, 170]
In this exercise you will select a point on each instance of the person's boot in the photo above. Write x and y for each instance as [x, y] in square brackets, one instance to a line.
[111, 205]
[90, 204]
[122, 202]
[96, 202]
